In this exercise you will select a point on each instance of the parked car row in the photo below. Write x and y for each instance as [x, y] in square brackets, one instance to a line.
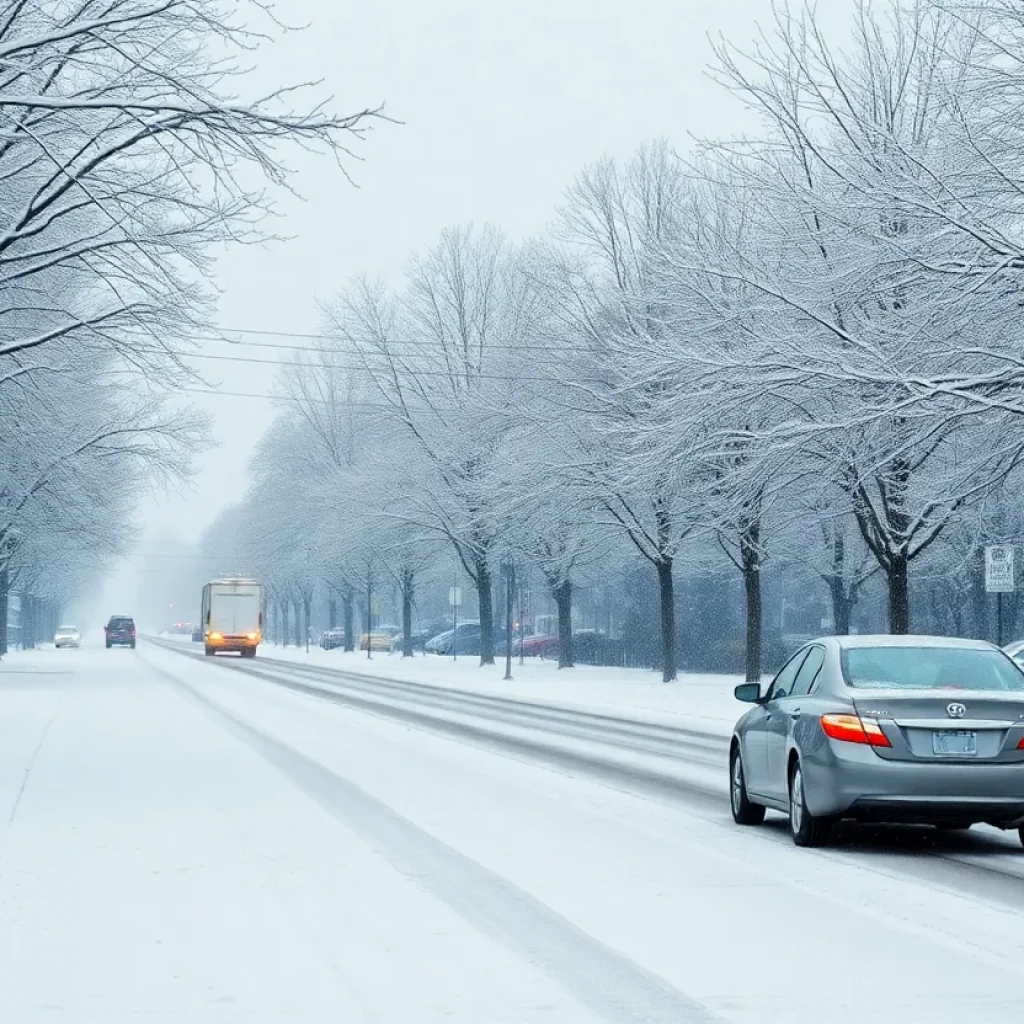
[590, 646]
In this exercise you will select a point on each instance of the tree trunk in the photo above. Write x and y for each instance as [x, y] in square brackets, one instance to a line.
[332, 612]
[752, 593]
[898, 578]
[667, 599]
[348, 614]
[5, 588]
[563, 600]
[298, 624]
[307, 609]
[978, 597]
[750, 561]
[485, 599]
[28, 622]
[841, 606]
[407, 596]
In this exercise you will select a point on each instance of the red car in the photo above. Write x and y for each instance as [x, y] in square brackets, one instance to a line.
[540, 645]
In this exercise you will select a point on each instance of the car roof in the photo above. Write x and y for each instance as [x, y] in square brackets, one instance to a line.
[889, 640]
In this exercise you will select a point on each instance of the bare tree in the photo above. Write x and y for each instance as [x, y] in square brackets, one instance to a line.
[124, 157]
[614, 222]
[434, 356]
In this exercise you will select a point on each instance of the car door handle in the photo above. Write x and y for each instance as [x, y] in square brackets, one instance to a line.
[795, 713]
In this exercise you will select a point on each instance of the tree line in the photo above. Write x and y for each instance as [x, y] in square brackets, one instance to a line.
[126, 160]
[797, 348]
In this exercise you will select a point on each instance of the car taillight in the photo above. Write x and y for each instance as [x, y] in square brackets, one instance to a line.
[854, 729]
[1020, 746]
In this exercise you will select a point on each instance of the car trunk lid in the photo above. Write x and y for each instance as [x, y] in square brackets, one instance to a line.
[946, 724]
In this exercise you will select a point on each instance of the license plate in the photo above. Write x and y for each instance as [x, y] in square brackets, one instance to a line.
[951, 742]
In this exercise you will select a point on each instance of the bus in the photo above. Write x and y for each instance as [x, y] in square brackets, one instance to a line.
[232, 616]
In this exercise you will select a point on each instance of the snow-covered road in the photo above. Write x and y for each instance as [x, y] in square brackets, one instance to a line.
[189, 841]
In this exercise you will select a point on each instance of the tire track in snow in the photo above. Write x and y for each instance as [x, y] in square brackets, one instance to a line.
[614, 987]
[985, 867]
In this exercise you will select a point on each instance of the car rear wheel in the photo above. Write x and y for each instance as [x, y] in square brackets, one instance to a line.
[806, 829]
[744, 810]
[109, 645]
[208, 651]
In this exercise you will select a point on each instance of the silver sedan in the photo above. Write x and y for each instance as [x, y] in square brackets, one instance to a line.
[906, 729]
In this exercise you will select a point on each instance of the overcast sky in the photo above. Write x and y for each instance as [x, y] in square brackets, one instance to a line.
[502, 103]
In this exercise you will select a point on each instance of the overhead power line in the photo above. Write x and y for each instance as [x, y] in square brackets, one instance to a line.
[473, 374]
[336, 339]
[222, 393]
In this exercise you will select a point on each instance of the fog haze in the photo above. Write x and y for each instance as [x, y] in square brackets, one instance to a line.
[501, 105]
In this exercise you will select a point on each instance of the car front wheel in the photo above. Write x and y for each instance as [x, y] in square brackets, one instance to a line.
[744, 810]
[806, 829]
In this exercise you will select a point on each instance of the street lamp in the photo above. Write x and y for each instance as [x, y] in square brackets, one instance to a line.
[509, 569]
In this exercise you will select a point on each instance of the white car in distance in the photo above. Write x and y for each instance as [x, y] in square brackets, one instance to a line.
[67, 636]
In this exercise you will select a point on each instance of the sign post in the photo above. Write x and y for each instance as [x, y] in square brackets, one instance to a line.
[999, 579]
[455, 599]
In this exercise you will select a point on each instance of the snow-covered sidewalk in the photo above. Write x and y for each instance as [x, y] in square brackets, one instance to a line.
[704, 700]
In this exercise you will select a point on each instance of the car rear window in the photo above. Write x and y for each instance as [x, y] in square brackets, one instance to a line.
[926, 668]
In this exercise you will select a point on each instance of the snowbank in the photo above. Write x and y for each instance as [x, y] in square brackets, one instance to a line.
[705, 699]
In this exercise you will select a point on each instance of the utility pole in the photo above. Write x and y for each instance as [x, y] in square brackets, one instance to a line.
[369, 612]
[456, 600]
[522, 620]
[510, 588]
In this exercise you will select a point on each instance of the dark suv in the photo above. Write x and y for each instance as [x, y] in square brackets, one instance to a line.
[120, 631]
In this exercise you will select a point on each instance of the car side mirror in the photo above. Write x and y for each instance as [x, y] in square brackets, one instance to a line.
[749, 693]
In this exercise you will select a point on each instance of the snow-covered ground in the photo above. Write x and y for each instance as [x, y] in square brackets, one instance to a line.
[705, 698]
[184, 842]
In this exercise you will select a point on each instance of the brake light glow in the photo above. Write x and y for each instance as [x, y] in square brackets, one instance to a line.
[216, 636]
[253, 636]
[854, 729]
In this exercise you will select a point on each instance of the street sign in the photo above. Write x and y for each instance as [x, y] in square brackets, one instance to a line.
[999, 569]
[455, 596]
